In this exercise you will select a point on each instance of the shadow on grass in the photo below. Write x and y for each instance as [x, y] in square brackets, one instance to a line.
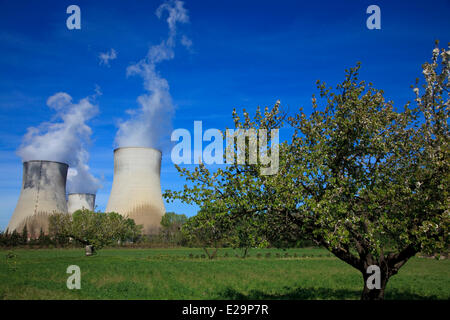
[316, 294]
[396, 294]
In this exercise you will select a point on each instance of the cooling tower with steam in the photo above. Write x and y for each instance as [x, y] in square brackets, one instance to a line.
[77, 201]
[136, 189]
[43, 193]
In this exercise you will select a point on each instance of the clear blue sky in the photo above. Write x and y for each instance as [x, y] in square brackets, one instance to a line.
[244, 54]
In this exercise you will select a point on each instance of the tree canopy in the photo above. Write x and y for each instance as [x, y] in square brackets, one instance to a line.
[94, 228]
[365, 180]
[171, 224]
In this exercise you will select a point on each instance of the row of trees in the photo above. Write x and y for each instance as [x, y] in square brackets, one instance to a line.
[12, 239]
[83, 227]
[367, 181]
[209, 229]
[213, 228]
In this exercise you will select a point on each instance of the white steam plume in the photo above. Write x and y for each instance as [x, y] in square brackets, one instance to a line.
[151, 122]
[64, 141]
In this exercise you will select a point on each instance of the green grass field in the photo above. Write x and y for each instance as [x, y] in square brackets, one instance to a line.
[172, 274]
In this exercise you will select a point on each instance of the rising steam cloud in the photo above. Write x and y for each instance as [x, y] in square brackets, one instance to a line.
[151, 123]
[64, 140]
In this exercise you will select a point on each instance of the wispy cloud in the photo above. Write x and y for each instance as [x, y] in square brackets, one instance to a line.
[185, 41]
[106, 57]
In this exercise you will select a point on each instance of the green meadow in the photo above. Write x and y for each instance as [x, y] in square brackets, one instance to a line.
[185, 274]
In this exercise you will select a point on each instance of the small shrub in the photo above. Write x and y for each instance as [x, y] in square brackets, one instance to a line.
[11, 260]
[191, 256]
[203, 256]
[277, 255]
[11, 255]
[268, 255]
[258, 255]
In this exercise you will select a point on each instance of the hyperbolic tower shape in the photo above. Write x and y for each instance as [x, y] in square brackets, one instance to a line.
[43, 193]
[78, 201]
[136, 189]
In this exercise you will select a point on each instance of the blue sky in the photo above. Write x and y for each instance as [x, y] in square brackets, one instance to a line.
[244, 54]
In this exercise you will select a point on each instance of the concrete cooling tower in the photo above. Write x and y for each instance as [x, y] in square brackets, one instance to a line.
[77, 201]
[136, 189]
[43, 193]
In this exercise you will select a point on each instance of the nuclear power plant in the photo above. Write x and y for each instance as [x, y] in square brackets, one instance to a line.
[135, 193]
[78, 201]
[136, 189]
[43, 193]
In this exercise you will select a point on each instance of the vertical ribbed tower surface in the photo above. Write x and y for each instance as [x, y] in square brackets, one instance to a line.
[136, 189]
[43, 193]
[78, 201]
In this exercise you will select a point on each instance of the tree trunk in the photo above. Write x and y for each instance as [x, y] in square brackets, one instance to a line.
[210, 255]
[89, 250]
[374, 294]
[244, 255]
